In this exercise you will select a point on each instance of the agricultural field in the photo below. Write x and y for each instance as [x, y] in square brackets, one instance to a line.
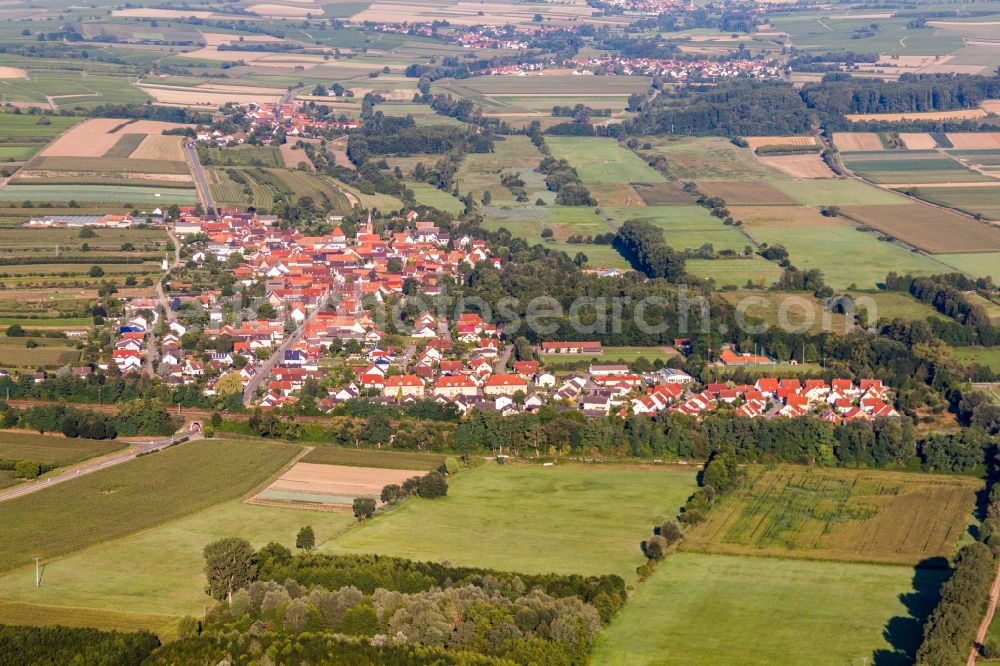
[170, 580]
[603, 507]
[843, 515]
[431, 196]
[24, 135]
[789, 611]
[52, 449]
[927, 228]
[336, 455]
[684, 226]
[911, 168]
[984, 201]
[132, 496]
[328, 486]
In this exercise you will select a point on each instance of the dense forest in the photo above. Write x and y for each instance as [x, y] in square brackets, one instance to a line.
[840, 94]
[735, 108]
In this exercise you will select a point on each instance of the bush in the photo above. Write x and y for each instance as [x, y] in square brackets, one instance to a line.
[656, 547]
[671, 532]
[27, 469]
[432, 485]
[391, 493]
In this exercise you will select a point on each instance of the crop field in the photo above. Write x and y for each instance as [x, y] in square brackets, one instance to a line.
[800, 166]
[913, 167]
[53, 450]
[24, 135]
[974, 140]
[824, 248]
[170, 580]
[928, 228]
[602, 160]
[735, 272]
[329, 486]
[983, 201]
[684, 226]
[336, 455]
[955, 114]
[844, 515]
[113, 193]
[51, 357]
[482, 520]
[609, 355]
[135, 495]
[918, 140]
[849, 142]
[245, 155]
[787, 612]
[746, 193]
[480, 172]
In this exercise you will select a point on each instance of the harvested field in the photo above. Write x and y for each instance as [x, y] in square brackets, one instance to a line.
[928, 228]
[145, 12]
[846, 515]
[99, 136]
[800, 166]
[333, 486]
[283, 11]
[918, 140]
[848, 142]
[158, 147]
[89, 139]
[756, 142]
[292, 156]
[991, 105]
[654, 194]
[194, 97]
[956, 114]
[338, 455]
[974, 140]
[12, 73]
[748, 193]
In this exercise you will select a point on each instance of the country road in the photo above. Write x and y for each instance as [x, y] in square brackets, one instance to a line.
[198, 172]
[89, 467]
[984, 627]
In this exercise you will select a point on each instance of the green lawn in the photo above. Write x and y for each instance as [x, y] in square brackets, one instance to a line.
[988, 356]
[711, 609]
[735, 272]
[893, 304]
[847, 256]
[839, 192]
[432, 196]
[602, 160]
[132, 496]
[160, 570]
[975, 264]
[609, 355]
[563, 519]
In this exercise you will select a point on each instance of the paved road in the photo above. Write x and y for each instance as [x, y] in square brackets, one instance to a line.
[504, 358]
[199, 177]
[87, 468]
[264, 370]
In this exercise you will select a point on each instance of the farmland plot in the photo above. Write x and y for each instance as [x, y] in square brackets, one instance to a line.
[865, 516]
[928, 228]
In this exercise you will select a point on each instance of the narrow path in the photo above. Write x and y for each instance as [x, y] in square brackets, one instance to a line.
[987, 620]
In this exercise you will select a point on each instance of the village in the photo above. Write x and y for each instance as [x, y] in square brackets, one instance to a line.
[674, 70]
[314, 334]
[262, 123]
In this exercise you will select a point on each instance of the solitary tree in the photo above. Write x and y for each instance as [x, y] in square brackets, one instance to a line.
[306, 539]
[364, 507]
[230, 565]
